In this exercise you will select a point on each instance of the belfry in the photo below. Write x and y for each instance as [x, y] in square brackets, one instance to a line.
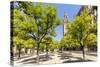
[65, 22]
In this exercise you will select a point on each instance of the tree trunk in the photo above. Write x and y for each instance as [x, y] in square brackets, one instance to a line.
[61, 49]
[83, 52]
[38, 53]
[19, 54]
[26, 50]
[32, 51]
[11, 55]
[47, 51]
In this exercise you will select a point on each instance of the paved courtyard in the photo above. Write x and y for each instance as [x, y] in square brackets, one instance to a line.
[56, 57]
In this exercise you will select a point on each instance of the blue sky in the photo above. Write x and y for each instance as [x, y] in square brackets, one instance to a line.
[71, 11]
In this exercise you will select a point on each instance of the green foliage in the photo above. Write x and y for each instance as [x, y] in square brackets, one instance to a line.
[54, 44]
[94, 28]
[80, 32]
[17, 41]
[42, 46]
[91, 39]
[81, 27]
[68, 42]
[47, 39]
[30, 43]
[32, 23]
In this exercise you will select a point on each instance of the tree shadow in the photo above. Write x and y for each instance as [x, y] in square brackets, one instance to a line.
[22, 57]
[51, 54]
[71, 56]
[75, 61]
[27, 60]
[42, 58]
[68, 57]
[87, 53]
[25, 56]
[64, 55]
[91, 54]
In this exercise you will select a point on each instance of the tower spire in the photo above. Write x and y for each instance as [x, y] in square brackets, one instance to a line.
[65, 23]
[65, 17]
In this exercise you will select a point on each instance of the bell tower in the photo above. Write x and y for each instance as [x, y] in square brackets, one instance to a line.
[65, 23]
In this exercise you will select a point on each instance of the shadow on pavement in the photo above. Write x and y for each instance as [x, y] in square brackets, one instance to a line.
[77, 61]
[15, 59]
[33, 60]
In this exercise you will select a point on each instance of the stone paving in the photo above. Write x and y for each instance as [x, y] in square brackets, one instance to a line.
[55, 58]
